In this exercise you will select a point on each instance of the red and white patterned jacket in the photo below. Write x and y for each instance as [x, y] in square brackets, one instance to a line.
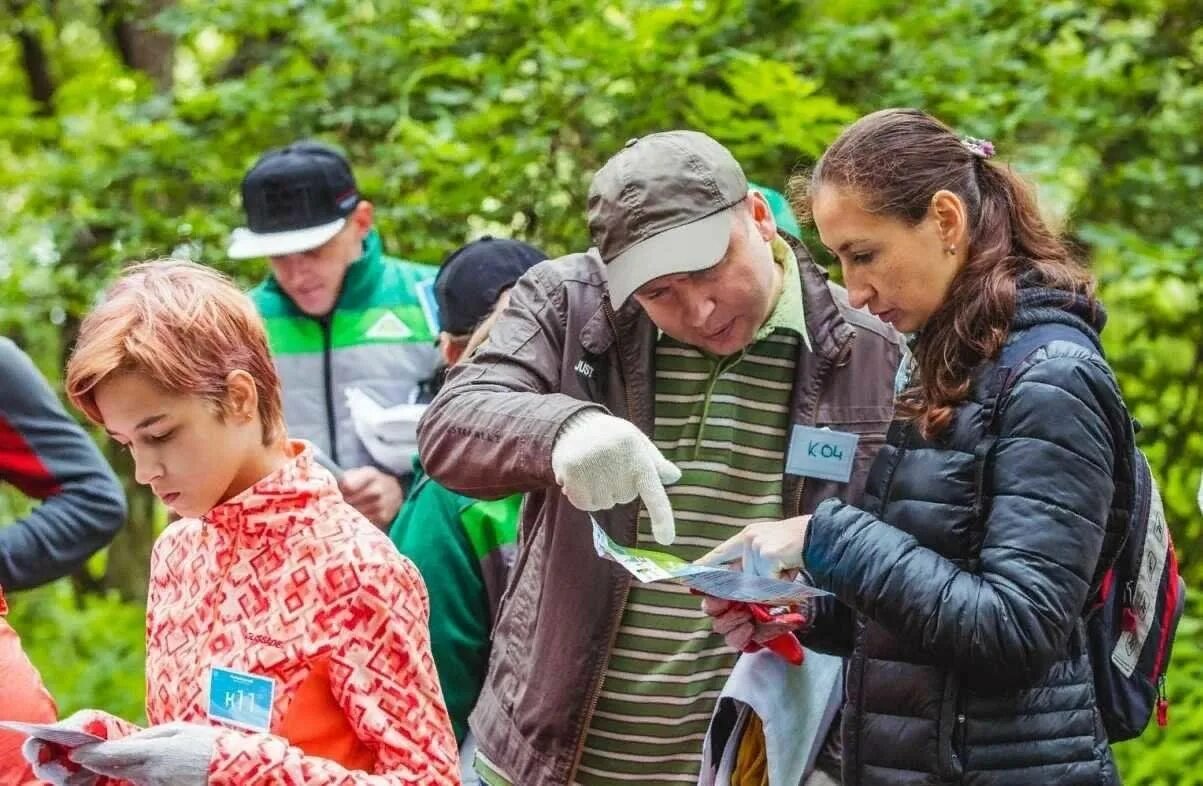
[288, 581]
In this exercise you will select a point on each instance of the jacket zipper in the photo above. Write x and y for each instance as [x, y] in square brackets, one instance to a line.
[859, 663]
[958, 730]
[328, 382]
[615, 621]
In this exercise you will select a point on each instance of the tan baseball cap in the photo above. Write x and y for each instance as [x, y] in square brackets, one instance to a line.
[662, 205]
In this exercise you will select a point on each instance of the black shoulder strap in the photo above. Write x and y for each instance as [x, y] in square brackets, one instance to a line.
[1015, 354]
[997, 384]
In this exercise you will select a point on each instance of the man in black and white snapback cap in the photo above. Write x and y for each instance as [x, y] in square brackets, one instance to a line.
[295, 199]
[346, 323]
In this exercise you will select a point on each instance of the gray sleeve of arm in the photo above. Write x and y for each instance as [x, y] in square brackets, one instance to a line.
[48, 456]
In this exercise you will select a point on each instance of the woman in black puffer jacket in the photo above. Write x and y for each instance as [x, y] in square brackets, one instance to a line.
[963, 579]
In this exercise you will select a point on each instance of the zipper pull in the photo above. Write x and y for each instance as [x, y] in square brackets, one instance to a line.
[1163, 703]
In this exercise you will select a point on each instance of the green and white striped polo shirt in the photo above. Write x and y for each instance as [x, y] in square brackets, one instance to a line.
[725, 423]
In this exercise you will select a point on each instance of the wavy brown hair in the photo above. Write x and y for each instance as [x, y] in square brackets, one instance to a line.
[895, 161]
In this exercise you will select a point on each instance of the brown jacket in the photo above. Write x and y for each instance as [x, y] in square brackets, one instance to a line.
[560, 348]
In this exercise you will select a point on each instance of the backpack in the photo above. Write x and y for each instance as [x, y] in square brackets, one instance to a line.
[1138, 595]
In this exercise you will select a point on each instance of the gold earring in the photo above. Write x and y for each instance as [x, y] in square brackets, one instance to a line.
[950, 250]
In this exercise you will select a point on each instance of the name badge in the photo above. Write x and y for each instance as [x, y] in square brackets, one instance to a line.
[821, 453]
[241, 699]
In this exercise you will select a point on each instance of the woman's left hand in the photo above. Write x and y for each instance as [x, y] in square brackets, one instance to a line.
[767, 548]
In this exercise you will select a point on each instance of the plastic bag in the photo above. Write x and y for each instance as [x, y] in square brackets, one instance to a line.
[390, 434]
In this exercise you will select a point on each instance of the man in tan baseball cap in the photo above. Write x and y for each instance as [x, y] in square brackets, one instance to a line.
[659, 380]
[677, 203]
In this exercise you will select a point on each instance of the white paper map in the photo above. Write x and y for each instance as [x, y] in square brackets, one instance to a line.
[52, 733]
[716, 582]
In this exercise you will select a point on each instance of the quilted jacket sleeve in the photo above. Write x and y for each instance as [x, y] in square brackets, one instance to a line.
[383, 677]
[490, 431]
[1051, 476]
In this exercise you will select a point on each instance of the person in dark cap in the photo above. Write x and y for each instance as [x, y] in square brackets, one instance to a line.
[341, 316]
[463, 546]
[657, 381]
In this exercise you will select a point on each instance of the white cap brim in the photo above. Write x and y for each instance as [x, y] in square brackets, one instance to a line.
[245, 244]
[684, 249]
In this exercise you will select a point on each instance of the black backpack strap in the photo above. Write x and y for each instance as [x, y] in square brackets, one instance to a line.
[997, 384]
[1014, 356]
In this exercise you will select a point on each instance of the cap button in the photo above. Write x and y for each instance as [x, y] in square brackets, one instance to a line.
[631, 141]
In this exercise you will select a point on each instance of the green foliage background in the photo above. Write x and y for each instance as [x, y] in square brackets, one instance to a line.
[470, 116]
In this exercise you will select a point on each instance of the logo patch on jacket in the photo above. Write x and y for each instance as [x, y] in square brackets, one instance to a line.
[584, 369]
[389, 326]
[259, 638]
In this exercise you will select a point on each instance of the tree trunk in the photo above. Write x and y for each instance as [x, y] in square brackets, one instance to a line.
[140, 45]
[34, 60]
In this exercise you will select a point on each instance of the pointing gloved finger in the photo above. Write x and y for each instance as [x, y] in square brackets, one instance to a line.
[659, 510]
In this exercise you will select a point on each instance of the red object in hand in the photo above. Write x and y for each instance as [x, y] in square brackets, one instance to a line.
[47, 752]
[54, 752]
[786, 645]
[1130, 620]
[96, 728]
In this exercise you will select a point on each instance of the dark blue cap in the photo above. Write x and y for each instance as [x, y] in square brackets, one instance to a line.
[474, 276]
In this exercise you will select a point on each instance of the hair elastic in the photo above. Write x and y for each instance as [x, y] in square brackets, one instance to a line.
[982, 148]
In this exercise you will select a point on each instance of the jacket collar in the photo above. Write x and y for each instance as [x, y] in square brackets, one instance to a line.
[828, 329]
[294, 492]
[1036, 304]
[364, 274]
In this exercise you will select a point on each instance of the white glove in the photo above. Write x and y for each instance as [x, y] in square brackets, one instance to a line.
[50, 762]
[601, 461]
[172, 754]
[767, 548]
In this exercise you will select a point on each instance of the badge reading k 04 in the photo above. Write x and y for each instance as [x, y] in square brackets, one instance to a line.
[821, 453]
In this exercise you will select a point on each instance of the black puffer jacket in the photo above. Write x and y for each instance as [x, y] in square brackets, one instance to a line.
[967, 659]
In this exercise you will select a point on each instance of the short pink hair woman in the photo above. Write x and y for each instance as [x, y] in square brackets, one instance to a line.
[286, 638]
